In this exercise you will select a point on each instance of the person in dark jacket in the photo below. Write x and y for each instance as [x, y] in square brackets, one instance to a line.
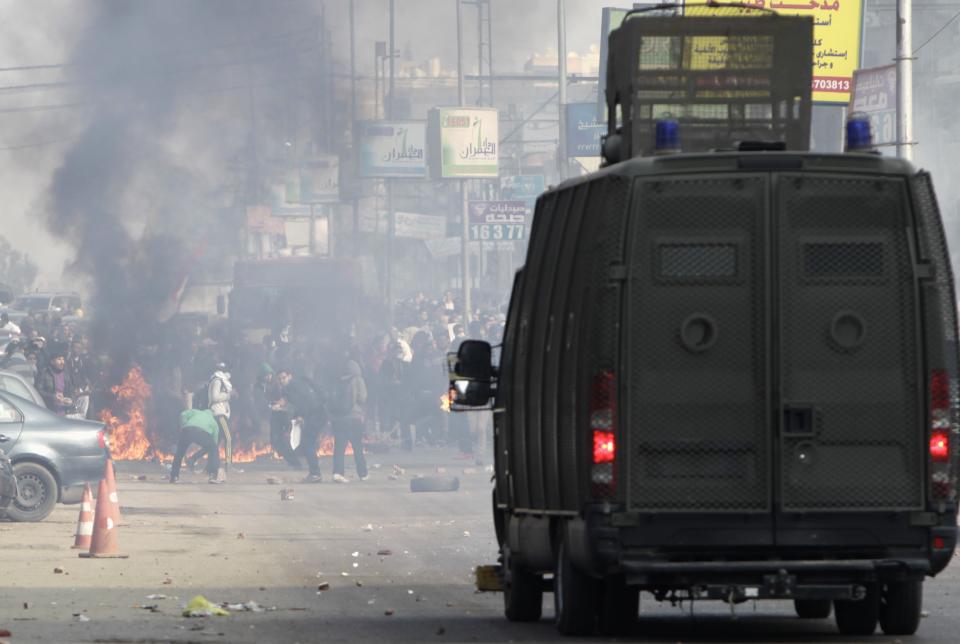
[304, 406]
[55, 384]
[279, 418]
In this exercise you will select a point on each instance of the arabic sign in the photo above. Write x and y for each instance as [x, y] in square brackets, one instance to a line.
[497, 220]
[320, 180]
[468, 142]
[836, 44]
[875, 94]
[523, 187]
[583, 130]
[446, 247]
[416, 226]
[392, 149]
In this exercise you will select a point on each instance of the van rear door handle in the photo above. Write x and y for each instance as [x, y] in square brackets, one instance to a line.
[799, 420]
[4, 438]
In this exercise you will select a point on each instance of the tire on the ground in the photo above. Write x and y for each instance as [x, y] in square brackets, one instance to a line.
[812, 608]
[901, 605]
[859, 617]
[574, 596]
[522, 593]
[435, 484]
[617, 608]
[37, 493]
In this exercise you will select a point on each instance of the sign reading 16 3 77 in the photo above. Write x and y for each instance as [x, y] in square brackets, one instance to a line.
[498, 220]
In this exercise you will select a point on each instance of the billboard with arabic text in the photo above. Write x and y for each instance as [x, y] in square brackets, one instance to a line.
[464, 143]
[836, 45]
[392, 149]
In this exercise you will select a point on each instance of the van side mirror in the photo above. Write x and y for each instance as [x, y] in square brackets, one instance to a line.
[472, 375]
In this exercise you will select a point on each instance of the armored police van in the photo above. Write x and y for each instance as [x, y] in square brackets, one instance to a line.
[729, 373]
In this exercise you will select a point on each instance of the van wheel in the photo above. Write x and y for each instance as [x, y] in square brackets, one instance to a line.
[522, 594]
[37, 493]
[859, 617]
[900, 607]
[812, 608]
[618, 607]
[574, 596]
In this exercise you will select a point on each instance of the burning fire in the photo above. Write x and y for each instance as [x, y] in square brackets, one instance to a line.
[445, 400]
[128, 430]
[128, 440]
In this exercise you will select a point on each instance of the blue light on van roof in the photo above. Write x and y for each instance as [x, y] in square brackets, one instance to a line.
[667, 136]
[859, 135]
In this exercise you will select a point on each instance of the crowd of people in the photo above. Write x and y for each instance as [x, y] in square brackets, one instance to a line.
[380, 383]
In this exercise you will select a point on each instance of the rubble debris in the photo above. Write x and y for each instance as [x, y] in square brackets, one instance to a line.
[389, 612]
[142, 477]
[441, 630]
[200, 606]
[399, 471]
[355, 554]
[368, 527]
[167, 581]
[80, 617]
[323, 585]
[272, 480]
[344, 574]
[385, 552]
[393, 477]
[26, 605]
[286, 494]
[156, 596]
[248, 607]
[241, 535]
[359, 583]
[58, 570]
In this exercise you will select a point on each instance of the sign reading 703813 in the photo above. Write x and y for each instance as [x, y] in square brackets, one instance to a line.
[498, 220]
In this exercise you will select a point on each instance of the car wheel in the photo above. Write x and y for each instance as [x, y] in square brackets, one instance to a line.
[859, 617]
[574, 596]
[812, 608]
[37, 493]
[900, 607]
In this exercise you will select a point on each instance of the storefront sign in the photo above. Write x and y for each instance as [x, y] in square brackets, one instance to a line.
[498, 220]
[875, 94]
[583, 130]
[417, 226]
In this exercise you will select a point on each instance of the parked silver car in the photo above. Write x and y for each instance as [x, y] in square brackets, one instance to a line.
[52, 456]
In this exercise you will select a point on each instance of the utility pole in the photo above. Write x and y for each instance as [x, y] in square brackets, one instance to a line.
[389, 102]
[905, 79]
[353, 126]
[562, 95]
[464, 214]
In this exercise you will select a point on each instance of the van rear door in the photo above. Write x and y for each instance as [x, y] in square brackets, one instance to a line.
[847, 360]
[696, 413]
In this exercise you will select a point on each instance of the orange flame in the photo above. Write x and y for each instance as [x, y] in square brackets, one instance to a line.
[445, 400]
[128, 440]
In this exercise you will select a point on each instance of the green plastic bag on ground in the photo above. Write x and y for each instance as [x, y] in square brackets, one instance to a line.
[200, 606]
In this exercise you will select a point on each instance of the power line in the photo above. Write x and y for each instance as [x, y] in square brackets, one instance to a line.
[37, 144]
[936, 33]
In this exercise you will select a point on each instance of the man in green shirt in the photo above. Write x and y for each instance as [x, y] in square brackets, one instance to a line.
[198, 427]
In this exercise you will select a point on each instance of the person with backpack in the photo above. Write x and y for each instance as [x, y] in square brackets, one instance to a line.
[304, 406]
[347, 418]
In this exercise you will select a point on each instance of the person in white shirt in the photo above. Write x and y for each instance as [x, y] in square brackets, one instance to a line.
[7, 325]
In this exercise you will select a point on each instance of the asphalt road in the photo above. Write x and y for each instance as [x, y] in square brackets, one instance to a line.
[239, 542]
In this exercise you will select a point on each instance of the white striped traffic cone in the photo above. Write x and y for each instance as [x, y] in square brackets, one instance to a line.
[85, 522]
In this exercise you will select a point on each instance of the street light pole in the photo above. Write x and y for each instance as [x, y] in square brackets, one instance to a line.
[562, 96]
[464, 206]
[905, 79]
[391, 218]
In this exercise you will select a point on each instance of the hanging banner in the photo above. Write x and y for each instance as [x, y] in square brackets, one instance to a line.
[464, 143]
[836, 38]
[392, 149]
[875, 94]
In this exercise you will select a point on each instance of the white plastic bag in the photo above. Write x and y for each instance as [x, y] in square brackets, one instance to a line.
[295, 434]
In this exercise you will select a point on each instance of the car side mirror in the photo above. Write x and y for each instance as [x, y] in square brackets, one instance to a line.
[472, 375]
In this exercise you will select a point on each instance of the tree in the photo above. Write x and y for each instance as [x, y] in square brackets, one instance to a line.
[16, 268]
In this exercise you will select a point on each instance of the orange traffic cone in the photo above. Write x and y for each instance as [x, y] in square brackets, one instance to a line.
[112, 488]
[103, 544]
[85, 521]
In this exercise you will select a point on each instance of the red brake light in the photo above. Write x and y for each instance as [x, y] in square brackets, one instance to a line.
[940, 447]
[939, 543]
[604, 447]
